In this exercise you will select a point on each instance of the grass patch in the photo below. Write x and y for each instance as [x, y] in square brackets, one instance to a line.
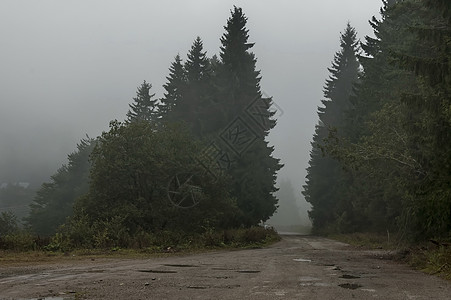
[160, 245]
[369, 241]
[431, 258]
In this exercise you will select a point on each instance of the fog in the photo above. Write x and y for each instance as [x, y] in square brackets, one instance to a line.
[69, 67]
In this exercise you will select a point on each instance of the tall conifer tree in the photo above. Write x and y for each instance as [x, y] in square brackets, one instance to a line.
[198, 89]
[325, 175]
[143, 108]
[176, 82]
[249, 120]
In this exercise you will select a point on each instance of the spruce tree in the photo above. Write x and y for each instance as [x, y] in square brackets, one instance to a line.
[398, 135]
[239, 74]
[325, 175]
[197, 64]
[174, 88]
[144, 108]
[248, 121]
[198, 90]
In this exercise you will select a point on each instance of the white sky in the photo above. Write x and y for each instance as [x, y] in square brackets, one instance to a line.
[68, 67]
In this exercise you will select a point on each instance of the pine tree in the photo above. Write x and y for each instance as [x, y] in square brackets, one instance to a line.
[197, 64]
[430, 135]
[325, 175]
[239, 74]
[198, 90]
[397, 130]
[248, 120]
[174, 88]
[189, 91]
[144, 108]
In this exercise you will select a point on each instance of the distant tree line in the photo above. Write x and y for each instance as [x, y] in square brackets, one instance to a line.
[381, 156]
[194, 159]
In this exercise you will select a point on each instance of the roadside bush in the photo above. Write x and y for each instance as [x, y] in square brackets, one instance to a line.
[212, 238]
[8, 223]
[255, 234]
[136, 168]
[78, 232]
[18, 241]
[111, 233]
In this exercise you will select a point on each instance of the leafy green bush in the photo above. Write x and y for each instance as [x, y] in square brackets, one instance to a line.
[136, 167]
[18, 241]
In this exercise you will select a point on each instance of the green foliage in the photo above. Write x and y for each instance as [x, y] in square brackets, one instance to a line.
[396, 150]
[78, 231]
[143, 108]
[18, 241]
[254, 170]
[133, 168]
[254, 236]
[438, 261]
[57, 243]
[190, 91]
[366, 240]
[326, 177]
[147, 178]
[208, 95]
[54, 200]
[174, 89]
[8, 223]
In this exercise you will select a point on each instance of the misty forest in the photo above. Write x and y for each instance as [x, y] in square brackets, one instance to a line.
[196, 161]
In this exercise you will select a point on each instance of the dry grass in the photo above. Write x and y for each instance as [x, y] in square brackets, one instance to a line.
[254, 237]
[427, 257]
[432, 259]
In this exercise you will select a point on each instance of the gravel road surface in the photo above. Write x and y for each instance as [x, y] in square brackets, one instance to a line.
[298, 267]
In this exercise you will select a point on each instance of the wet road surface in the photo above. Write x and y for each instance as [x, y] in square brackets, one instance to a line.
[298, 267]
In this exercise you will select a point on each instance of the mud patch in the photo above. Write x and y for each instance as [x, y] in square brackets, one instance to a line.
[351, 286]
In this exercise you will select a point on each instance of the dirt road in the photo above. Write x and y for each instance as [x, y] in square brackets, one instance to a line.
[298, 267]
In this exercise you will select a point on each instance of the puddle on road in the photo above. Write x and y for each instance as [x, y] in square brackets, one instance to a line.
[51, 298]
[349, 276]
[351, 286]
[318, 284]
[308, 278]
[180, 266]
[248, 271]
[302, 260]
[157, 271]
[222, 269]
[312, 281]
[229, 286]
